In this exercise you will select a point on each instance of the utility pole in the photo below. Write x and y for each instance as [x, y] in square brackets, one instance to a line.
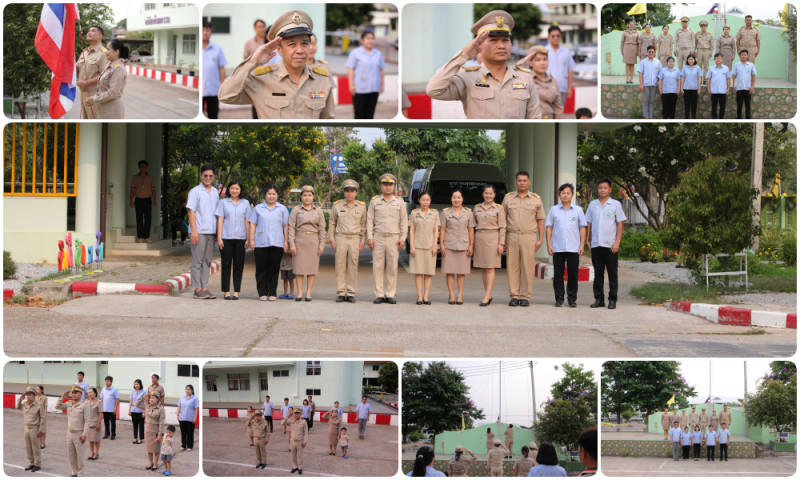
[744, 399]
[500, 415]
[533, 392]
[756, 170]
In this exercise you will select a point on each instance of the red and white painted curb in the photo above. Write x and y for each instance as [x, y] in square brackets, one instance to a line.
[169, 77]
[176, 284]
[374, 418]
[7, 294]
[736, 315]
[545, 272]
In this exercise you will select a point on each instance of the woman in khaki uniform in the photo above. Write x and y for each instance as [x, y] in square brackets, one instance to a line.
[111, 83]
[666, 43]
[546, 85]
[95, 407]
[645, 40]
[457, 466]
[334, 425]
[524, 463]
[629, 48]
[40, 399]
[248, 423]
[490, 238]
[489, 439]
[154, 416]
[726, 45]
[306, 240]
[423, 224]
[456, 242]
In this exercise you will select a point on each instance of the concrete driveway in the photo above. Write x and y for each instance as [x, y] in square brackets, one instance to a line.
[783, 466]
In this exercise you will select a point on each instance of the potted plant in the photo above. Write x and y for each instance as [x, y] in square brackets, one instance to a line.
[181, 63]
[192, 66]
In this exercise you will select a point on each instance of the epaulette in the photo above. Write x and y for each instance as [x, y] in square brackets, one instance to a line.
[498, 206]
[509, 193]
[104, 49]
[376, 197]
[472, 69]
[446, 209]
[523, 69]
[536, 195]
[261, 70]
[433, 210]
[116, 65]
[320, 71]
[336, 202]
[467, 208]
[361, 203]
[322, 62]
[478, 205]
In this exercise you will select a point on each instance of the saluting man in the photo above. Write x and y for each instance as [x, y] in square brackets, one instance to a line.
[387, 229]
[77, 428]
[491, 89]
[509, 436]
[346, 231]
[260, 438]
[298, 430]
[524, 235]
[90, 64]
[290, 89]
[684, 42]
[34, 416]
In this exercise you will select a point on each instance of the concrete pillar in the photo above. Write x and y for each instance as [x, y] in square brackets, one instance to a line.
[117, 175]
[87, 204]
[136, 152]
[512, 156]
[424, 24]
[567, 153]
[541, 164]
[153, 153]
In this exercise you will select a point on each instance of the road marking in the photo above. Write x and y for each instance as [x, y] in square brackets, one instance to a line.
[188, 101]
[786, 461]
[266, 468]
[23, 468]
[406, 353]
[662, 465]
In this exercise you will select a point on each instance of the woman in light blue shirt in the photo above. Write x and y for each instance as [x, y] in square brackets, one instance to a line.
[668, 79]
[188, 409]
[365, 74]
[306, 408]
[136, 413]
[423, 464]
[697, 442]
[232, 225]
[686, 442]
[269, 231]
[548, 463]
[689, 85]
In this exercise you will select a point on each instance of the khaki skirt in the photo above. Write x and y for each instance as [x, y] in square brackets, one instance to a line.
[456, 263]
[333, 436]
[150, 435]
[486, 249]
[423, 263]
[306, 262]
[630, 54]
[94, 435]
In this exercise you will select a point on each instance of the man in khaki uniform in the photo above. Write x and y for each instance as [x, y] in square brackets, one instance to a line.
[260, 438]
[713, 420]
[750, 38]
[675, 417]
[34, 416]
[90, 64]
[684, 43]
[525, 232]
[490, 90]
[725, 416]
[684, 420]
[704, 46]
[509, 435]
[156, 387]
[298, 429]
[703, 421]
[346, 231]
[143, 199]
[78, 428]
[387, 229]
[291, 89]
[694, 418]
[495, 458]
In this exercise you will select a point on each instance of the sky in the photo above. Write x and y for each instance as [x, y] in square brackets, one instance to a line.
[369, 135]
[702, 9]
[483, 379]
[727, 376]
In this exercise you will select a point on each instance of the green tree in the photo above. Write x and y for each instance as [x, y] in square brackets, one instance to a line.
[527, 17]
[781, 370]
[614, 16]
[562, 421]
[366, 166]
[576, 384]
[388, 376]
[789, 19]
[325, 179]
[24, 71]
[435, 397]
[613, 395]
[424, 147]
[345, 15]
[711, 212]
[773, 405]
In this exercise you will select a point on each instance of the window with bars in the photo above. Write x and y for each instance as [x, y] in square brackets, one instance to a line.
[314, 368]
[40, 160]
[190, 44]
[149, 6]
[220, 25]
[60, 362]
[280, 373]
[18, 363]
[239, 382]
[211, 383]
[264, 381]
[313, 391]
[376, 368]
[188, 370]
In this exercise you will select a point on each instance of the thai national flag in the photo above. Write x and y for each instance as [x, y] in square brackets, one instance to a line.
[713, 7]
[55, 42]
[708, 400]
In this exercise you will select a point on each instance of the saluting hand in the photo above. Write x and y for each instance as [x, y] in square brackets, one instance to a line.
[267, 50]
[474, 47]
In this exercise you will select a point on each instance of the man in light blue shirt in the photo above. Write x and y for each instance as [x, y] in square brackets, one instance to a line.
[337, 408]
[560, 63]
[201, 204]
[604, 219]
[268, 406]
[566, 235]
[648, 81]
[110, 397]
[711, 442]
[363, 410]
[718, 85]
[744, 84]
[724, 434]
[675, 435]
[84, 386]
[213, 73]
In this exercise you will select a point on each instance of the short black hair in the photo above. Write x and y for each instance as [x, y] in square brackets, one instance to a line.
[143, 161]
[109, 377]
[367, 32]
[287, 399]
[363, 397]
[587, 440]
[744, 50]
[489, 185]
[207, 24]
[670, 58]
[665, 26]
[692, 56]
[523, 173]
[259, 20]
[650, 47]
[717, 55]
[81, 373]
[553, 27]
[99, 28]
[267, 396]
[94, 390]
[547, 454]
[236, 181]
[604, 180]
[171, 428]
[630, 20]
[748, 16]
[206, 166]
[566, 186]
[156, 375]
[583, 112]
[192, 387]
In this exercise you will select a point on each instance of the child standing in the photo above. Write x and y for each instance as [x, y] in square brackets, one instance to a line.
[166, 450]
[287, 276]
[344, 441]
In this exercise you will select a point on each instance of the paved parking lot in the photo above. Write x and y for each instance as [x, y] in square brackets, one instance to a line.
[783, 466]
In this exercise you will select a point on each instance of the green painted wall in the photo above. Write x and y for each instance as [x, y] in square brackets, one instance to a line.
[771, 63]
[475, 439]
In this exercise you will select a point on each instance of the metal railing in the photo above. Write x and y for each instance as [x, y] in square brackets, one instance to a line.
[24, 161]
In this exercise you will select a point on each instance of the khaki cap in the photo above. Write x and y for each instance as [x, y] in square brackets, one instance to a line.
[388, 178]
[350, 183]
[307, 188]
[497, 22]
[31, 392]
[76, 388]
[155, 394]
[258, 413]
[497, 441]
[459, 448]
[704, 409]
[703, 23]
[290, 24]
[533, 446]
[684, 19]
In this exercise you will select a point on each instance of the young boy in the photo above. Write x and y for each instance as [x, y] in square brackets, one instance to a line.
[287, 276]
[166, 450]
[344, 440]
[583, 114]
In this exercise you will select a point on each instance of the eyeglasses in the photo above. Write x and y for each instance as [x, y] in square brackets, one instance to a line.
[208, 176]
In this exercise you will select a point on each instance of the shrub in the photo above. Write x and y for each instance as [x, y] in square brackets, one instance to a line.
[9, 267]
[648, 253]
[789, 248]
[633, 241]
[624, 452]
[413, 437]
[627, 415]
[691, 260]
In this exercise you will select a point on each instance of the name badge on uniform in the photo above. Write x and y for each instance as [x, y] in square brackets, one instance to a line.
[317, 94]
[278, 94]
[484, 85]
[529, 204]
[520, 86]
[358, 212]
[573, 219]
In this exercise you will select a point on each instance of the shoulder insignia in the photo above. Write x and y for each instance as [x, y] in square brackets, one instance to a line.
[523, 69]
[376, 197]
[472, 69]
[468, 209]
[104, 49]
[320, 71]
[263, 69]
[322, 62]
[446, 209]
[116, 65]
[433, 210]
[361, 203]
[496, 205]
[509, 193]
[476, 206]
[336, 202]
[536, 195]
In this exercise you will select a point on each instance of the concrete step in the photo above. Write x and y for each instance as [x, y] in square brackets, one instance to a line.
[157, 252]
[156, 245]
[130, 239]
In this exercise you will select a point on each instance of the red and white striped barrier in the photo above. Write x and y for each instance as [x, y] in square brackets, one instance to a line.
[374, 418]
[7, 294]
[545, 272]
[735, 315]
[169, 77]
[176, 284]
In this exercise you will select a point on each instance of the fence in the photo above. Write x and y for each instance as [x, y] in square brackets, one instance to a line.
[779, 213]
[25, 155]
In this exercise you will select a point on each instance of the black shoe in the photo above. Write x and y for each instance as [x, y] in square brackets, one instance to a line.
[263, 465]
[451, 303]
[559, 303]
[572, 303]
[35, 469]
[378, 300]
[597, 303]
[513, 303]
[459, 303]
[524, 303]
[390, 301]
[419, 302]
[486, 304]
[426, 302]
[726, 459]
[227, 297]
[73, 475]
[340, 299]
[253, 446]
[42, 447]
[105, 437]
[259, 465]
[612, 304]
[298, 299]
[308, 299]
[234, 297]
[293, 470]
[113, 437]
[30, 467]
[299, 471]
[351, 299]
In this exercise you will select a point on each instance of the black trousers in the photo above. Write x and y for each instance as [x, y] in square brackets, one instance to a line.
[742, 96]
[686, 449]
[690, 104]
[268, 266]
[364, 105]
[180, 213]
[572, 261]
[718, 98]
[233, 252]
[710, 452]
[311, 421]
[602, 260]
[255, 114]
[697, 450]
[138, 425]
[212, 106]
[144, 215]
[187, 434]
[110, 422]
[308, 422]
[668, 100]
[723, 447]
[268, 419]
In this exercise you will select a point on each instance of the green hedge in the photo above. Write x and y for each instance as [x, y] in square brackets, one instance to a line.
[9, 267]
[633, 241]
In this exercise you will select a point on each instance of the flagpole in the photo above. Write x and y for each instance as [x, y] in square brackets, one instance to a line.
[85, 69]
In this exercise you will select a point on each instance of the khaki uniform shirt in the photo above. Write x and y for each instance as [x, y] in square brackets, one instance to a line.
[714, 421]
[644, 41]
[495, 457]
[250, 47]
[523, 465]
[747, 36]
[684, 421]
[482, 95]
[704, 420]
[153, 416]
[549, 97]
[491, 218]
[665, 43]
[260, 429]
[425, 228]
[456, 225]
[387, 217]
[158, 388]
[77, 416]
[694, 419]
[684, 39]
[725, 417]
[675, 418]
[523, 213]
[33, 414]
[348, 220]
[459, 467]
[509, 434]
[299, 430]
[96, 63]
[629, 38]
[726, 43]
[142, 187]
[274, 93]
[703, 40]
[666, 421]
[95, 411]
[110, 86]
[306, 222]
